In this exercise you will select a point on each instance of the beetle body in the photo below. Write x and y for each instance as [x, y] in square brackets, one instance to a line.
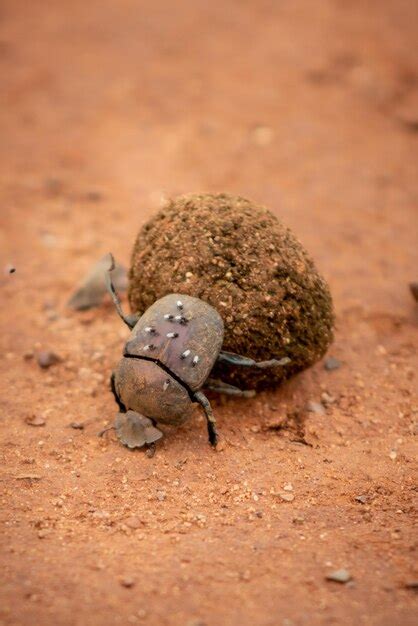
[166, 361]
[168, 357]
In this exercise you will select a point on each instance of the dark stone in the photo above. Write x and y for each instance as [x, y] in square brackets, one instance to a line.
[46, 358]
[331, 363]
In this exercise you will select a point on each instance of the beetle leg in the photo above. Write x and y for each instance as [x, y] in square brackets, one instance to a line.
[210, 418]
[244, 361]
[230, 390]
[130, 320]
[119, 402]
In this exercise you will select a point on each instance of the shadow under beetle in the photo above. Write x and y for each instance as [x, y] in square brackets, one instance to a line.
[166, 362]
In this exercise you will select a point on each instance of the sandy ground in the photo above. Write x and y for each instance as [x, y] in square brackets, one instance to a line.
[310, 109]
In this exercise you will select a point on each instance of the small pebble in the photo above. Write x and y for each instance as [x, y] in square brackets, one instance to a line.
[127, 581]
[29, 477]
[392, 455]
[286, 497]
[161, 496]
[327, 399]
[316, 407]
[10, 269]
[77, 425]
[133, 522]
[413, 584]
[46, 358]
[44, 532]
[331, 363]
[35, 420]
[361, 499]
[339, 576]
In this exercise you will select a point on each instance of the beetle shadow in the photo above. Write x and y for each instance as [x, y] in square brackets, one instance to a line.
[281, 411]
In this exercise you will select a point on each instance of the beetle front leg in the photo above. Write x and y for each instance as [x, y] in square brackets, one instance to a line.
[130, 320]
[230, 390]
[236, 359]
[210, 418]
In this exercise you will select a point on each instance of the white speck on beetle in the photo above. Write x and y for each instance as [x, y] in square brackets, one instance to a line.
[185, 354]
[195, 360]
[165, 385]
[168, 316]
[179, 304]
[172, 335]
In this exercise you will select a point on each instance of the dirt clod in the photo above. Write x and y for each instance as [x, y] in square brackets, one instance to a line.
[35, 420]
[240, 258]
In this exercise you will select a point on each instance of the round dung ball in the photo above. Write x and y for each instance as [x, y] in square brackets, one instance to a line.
[240, 258]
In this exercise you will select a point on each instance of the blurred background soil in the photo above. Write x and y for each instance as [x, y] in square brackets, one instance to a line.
[107, 109]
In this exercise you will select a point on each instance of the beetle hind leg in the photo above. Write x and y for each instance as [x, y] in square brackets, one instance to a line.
[230, 390]
[244, 361]
[210, 418]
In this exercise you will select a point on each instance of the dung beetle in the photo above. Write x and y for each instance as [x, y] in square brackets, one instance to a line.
[166, 362]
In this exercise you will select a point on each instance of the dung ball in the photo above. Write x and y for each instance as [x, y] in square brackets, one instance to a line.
[240, 258]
